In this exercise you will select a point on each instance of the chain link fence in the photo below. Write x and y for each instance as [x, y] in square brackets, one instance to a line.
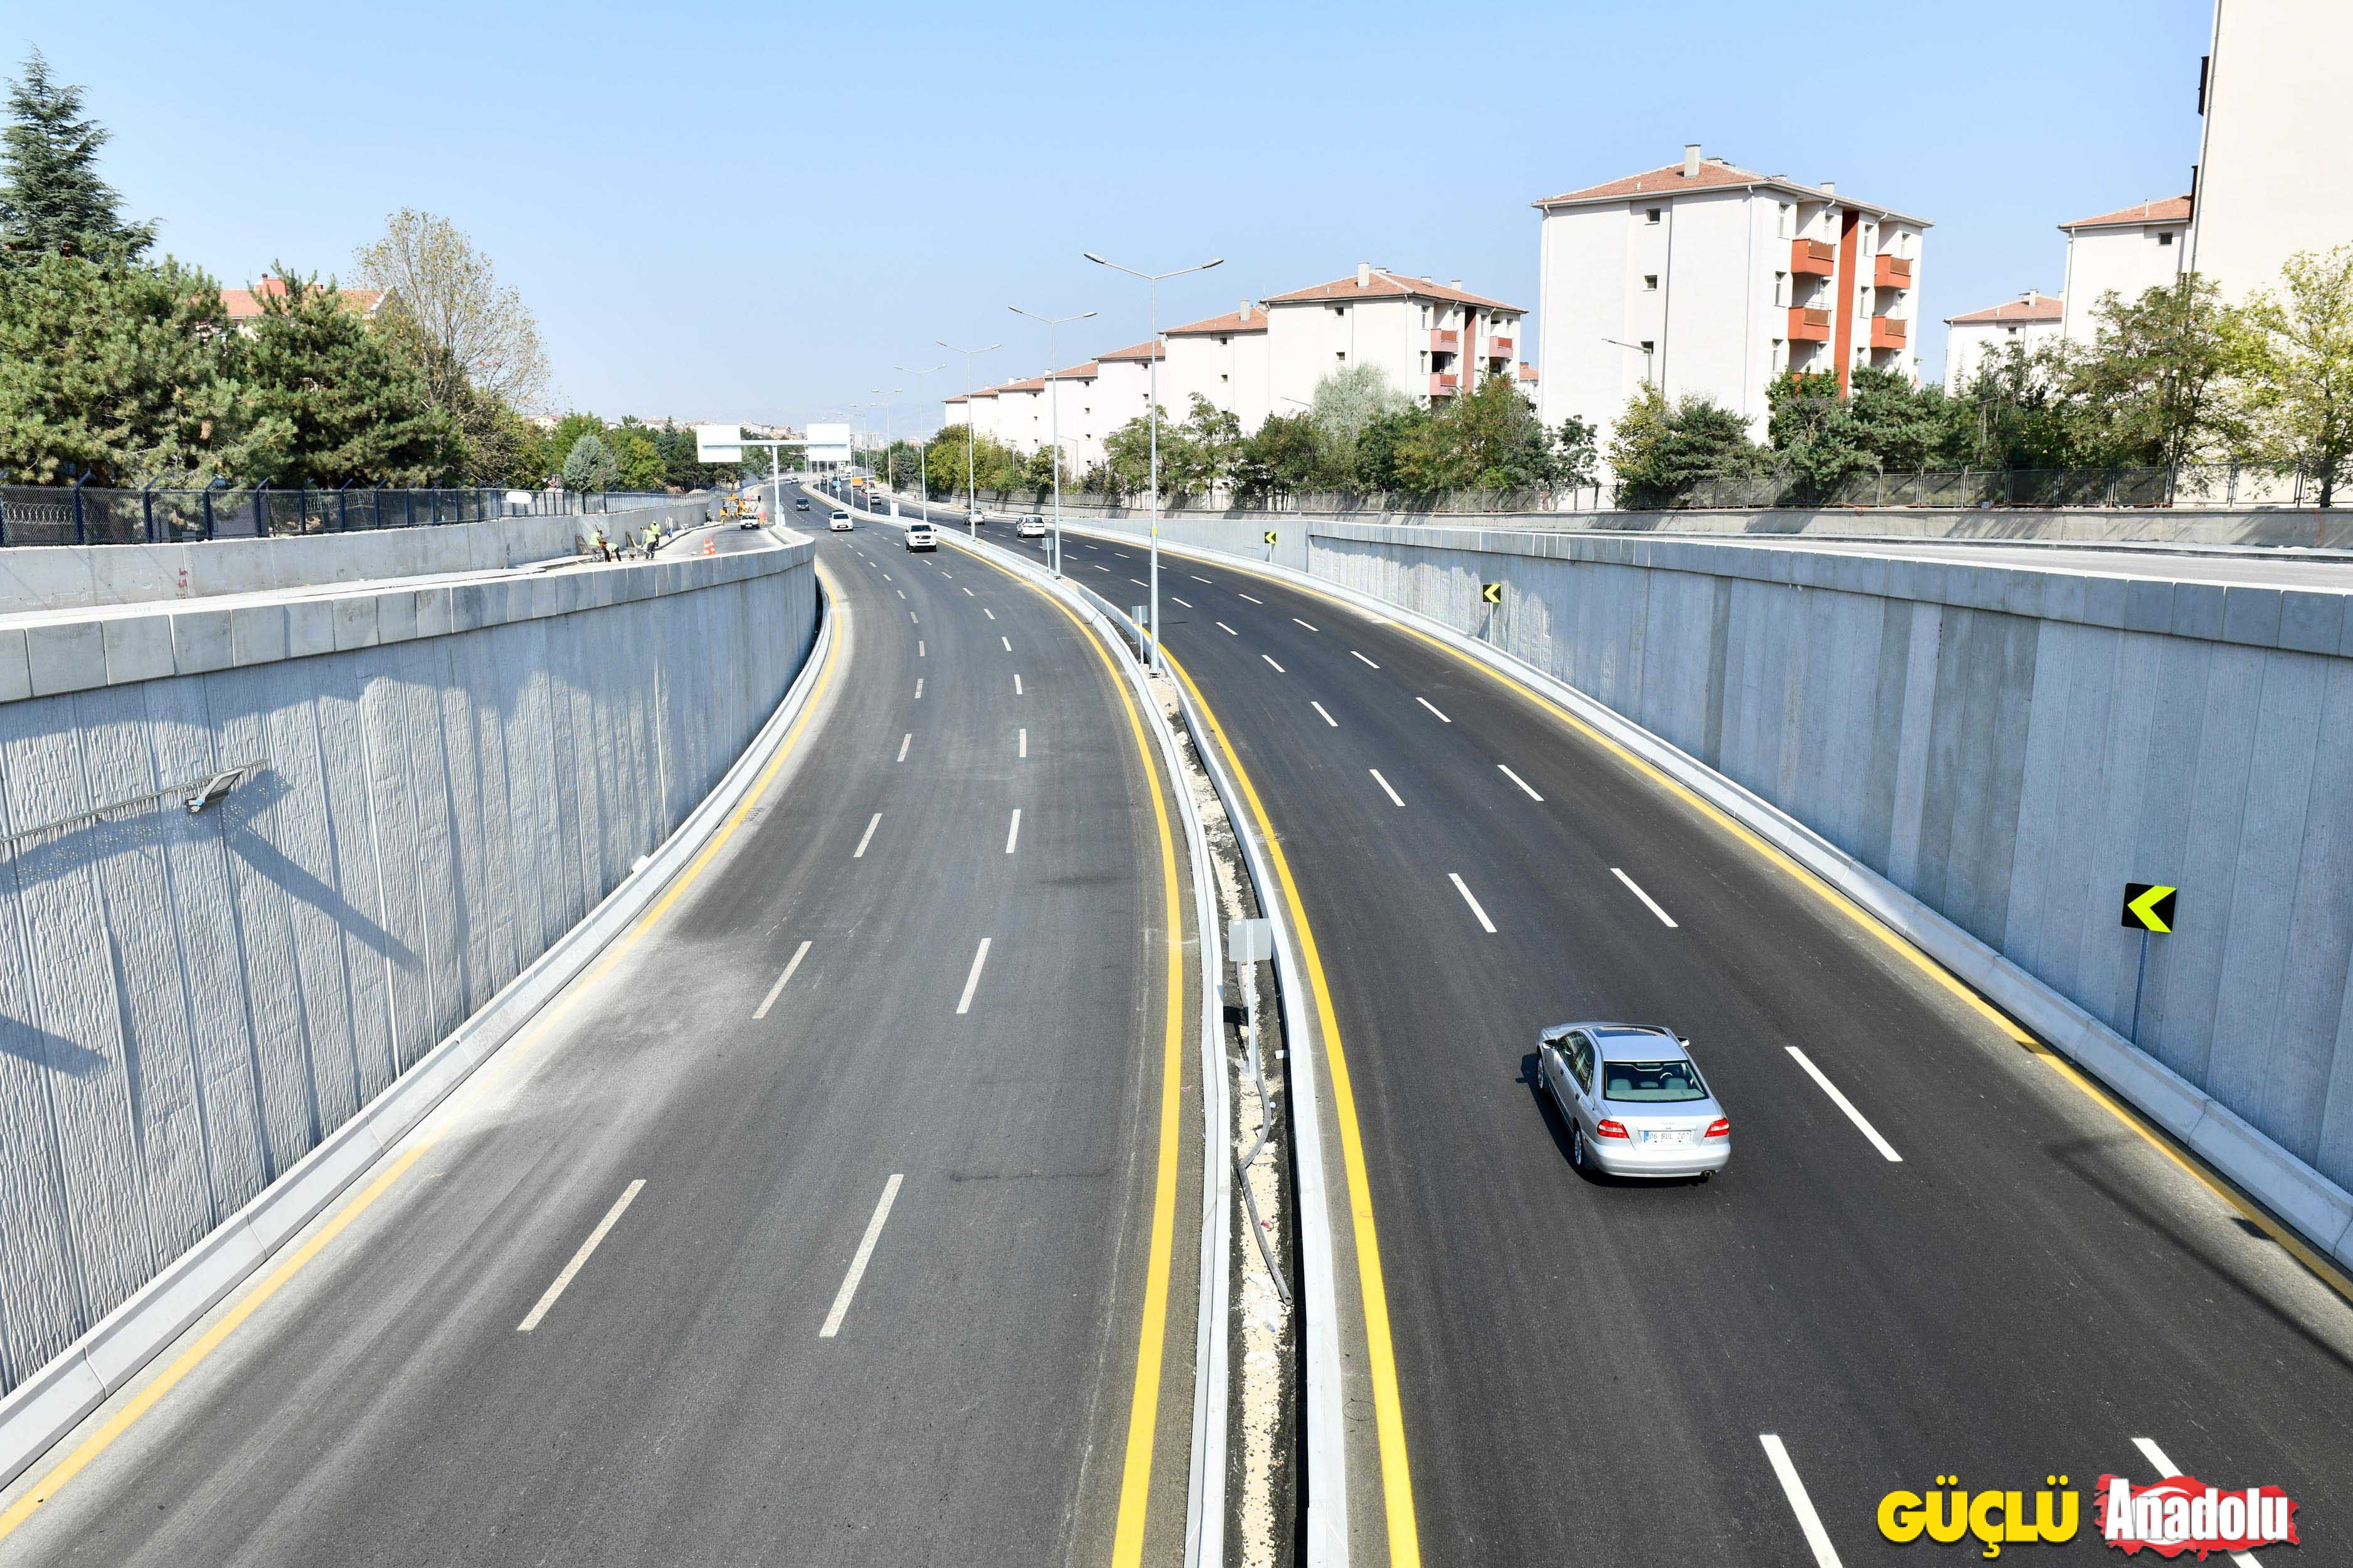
[84, 514]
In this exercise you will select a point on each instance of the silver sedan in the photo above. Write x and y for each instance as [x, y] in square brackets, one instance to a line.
[1634, 1099]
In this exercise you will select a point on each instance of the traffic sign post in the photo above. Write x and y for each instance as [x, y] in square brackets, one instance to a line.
[1491, 592]
[2148, 910]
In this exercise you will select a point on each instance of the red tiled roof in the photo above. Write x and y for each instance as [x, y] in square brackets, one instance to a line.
[1232, 322]
[957, 399]
[2035, 306]
[988, 392]
[1714, 174]
[2168, 209]
[245, 304]
[1386, 285]
[1033, 385]
[1077, 373]
[1528, 371]
[1137, 351]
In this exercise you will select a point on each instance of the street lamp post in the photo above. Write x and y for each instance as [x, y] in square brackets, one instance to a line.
[1645, 350]
[890, 473]
[1053, 391]
[923, 470]
[971, 477]
[1152, 282]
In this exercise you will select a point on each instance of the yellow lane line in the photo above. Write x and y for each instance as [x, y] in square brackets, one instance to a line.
[120, 1422]
[1896, 942]
[1152, 1339]
[1389, 1413]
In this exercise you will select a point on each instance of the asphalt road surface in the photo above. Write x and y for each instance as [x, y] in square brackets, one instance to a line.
[814, 1229]
[1601, 1373]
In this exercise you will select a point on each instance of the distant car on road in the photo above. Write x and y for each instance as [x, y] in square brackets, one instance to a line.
[1031, 528]
[921, 537]
[800, 503]
[1634, 1100]
[839, 524]
[981, 520]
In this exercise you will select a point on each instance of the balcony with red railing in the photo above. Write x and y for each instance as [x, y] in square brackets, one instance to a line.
[1445, 341]
[1808, 325]
[1813, 257]
[1891, 272]
[1887, 332]
[1499, 348]
[1443, 382]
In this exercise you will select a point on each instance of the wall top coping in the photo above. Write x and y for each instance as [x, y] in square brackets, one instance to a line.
[63, 651]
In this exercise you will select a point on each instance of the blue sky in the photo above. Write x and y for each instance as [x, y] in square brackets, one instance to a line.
[756, 212]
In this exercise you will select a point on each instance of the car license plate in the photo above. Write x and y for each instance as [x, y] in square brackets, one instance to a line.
[1666, 1135]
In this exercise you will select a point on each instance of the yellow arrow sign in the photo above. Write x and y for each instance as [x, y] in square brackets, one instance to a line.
[2148, 905]
[1492, 592]
[1270, 538]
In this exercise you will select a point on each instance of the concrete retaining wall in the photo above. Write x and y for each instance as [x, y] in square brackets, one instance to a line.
[449, 779]
[2008, 746]
[69, 576]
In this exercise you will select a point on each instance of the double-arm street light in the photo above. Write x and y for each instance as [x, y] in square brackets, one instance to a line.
[1053, 391]
[1152, 282]
[971, 477]
[890, 476]
[924, 468]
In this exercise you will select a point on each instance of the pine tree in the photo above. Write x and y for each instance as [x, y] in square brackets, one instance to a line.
[51, 199]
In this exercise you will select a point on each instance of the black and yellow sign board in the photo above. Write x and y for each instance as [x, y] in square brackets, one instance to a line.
[2148, 905]
[1493, 593]
[1270, 536]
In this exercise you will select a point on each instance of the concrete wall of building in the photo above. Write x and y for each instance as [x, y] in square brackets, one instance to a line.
[2010, 747]
[1967, 343]
[69, 577]
[2275, 166]
[449, 779]
[2125, 261]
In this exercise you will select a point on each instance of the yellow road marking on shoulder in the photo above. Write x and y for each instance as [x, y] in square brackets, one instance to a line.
[2139, 1125]
[1389, 1412]
[1152, 1338]
[122, 1421]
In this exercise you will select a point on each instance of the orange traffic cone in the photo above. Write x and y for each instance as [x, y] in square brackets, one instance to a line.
[711, 547]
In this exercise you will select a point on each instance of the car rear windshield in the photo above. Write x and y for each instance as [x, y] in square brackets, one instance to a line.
[1652, 1081]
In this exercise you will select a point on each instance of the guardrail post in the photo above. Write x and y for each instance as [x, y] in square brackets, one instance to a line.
[208, 505]
[261, 509]
[147, 510]
[82, 533]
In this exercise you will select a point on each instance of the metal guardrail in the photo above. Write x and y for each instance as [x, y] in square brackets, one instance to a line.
[87, 515]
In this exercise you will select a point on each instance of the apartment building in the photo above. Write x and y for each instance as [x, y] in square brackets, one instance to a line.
[2030, 319]
[2126, 252]
[1222, 359]
[2274, 160]
[1122, 386]
[1082, 433]
[1703, 277]
[1433, 339]
[244, 307]
[1022, 415]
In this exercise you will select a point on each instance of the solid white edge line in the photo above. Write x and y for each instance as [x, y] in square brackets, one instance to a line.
[1384, 788]
[857, 1264]
[1517, 779]
[1426, 702]
[905, 740]
[1326, 717]
[979, 957]
[778, 989]
[1013, 833]
[2166, 1469]
[1843, 1103]
[612, 1216]
[1462, 888]
[1649, 902]
[866, 838]
[1794, 1489]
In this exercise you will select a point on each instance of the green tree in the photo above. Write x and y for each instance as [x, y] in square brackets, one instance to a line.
[1127, 454]
[2299, 368]
[322, 399]
[637, 461]
[2147, 389]
[113, 371]
[2013, 412]
[588, 465]
[1377, 443]
[1285, 453]
[1661, 451]
[1577, 460]
[1814, 431]
[51, 199]
[1202, 457]
[1350, 398]
[1487, 439]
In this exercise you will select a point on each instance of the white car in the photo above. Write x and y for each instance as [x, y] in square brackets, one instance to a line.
[1031, 528]
[1634, 1101]
[921, 537]
[839, 522]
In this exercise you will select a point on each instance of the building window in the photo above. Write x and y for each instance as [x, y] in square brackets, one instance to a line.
[1339, 310]
[1651, 216]
[1780, 289]
[2165, 238]
[1782, 226]
[1780, 355]
[1340, 355]
[1650, 282]
[1223, 377]
[1425, 316]
[1425, 360]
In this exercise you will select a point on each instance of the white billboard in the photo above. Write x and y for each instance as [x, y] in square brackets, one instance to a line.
[719, 443]
[827, 444]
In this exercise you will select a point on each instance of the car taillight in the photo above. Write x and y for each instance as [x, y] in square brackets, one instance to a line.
[1719, 1128]
[1609, 1127]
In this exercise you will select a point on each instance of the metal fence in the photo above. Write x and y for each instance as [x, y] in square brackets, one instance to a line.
[84, 514]
[2220, 485]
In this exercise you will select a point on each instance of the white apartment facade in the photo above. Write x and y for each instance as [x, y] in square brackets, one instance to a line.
[2031, 320]
[1222, 359]
[1700, 277]
[1432, 340]
[1122, 389]
[1021, 411]
[1082, 435]
[2275, 157]
[2126, 252]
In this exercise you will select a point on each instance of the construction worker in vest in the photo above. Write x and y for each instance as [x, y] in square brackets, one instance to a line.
[653, 539]
[598, 546]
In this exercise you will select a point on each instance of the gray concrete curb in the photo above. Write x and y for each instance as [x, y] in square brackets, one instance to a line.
[49, 1404]
[2307, 1201]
